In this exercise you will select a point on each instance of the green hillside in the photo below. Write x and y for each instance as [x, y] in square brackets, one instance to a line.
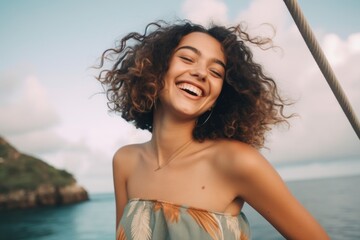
[21, 171]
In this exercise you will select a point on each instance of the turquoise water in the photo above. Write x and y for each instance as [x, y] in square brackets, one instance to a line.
[334, 202]
[94, 219]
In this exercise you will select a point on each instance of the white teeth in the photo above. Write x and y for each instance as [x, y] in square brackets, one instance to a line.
[188, 87]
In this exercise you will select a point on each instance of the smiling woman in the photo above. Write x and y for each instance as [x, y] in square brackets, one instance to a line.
[196, 68]
[250, 107]
[208, 106]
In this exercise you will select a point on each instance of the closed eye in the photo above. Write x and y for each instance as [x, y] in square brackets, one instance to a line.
[216, 73]
[186, 59]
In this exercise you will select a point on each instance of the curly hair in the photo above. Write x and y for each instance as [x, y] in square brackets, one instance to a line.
[248, 105]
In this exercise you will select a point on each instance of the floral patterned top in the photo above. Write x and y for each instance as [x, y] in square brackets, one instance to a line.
[159, 220]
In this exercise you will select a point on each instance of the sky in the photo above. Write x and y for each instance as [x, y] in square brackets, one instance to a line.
[51, 106]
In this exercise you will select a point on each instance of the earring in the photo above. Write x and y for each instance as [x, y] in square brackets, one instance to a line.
[207, 118]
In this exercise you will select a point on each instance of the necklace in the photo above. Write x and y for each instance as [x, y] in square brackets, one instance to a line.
[174, 154]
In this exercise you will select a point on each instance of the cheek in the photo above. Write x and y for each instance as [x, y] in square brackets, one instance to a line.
[170, 73]
[167, 78]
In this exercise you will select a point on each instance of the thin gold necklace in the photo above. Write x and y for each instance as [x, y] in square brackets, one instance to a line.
[174, 154]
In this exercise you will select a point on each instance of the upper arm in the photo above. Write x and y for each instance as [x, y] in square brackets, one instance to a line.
[119, 177]
[262, 188]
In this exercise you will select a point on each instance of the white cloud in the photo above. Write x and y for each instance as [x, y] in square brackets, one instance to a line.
[338, 50]
[28, 121]
[263, 12]
[322, 131]
[38, 142]
[31, 109]
[92, 167]
[354, 42]
[11, 80]
[205, 11]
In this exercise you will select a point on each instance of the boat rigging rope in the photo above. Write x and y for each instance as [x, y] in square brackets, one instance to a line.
[322, 62]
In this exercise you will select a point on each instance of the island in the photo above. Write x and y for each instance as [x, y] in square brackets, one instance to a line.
[28, 182]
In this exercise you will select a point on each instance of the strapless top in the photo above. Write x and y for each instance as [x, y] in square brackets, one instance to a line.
[159, 220]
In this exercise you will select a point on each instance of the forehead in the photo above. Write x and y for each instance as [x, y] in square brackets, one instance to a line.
[206, 44]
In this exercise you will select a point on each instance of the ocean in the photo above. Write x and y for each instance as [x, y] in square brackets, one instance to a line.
[334, 202]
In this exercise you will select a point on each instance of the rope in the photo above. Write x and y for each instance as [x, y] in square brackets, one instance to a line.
[322, 62]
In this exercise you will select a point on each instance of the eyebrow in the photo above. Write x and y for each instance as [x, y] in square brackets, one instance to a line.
[195, 50]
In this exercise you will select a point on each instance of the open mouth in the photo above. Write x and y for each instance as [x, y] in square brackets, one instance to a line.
[190, 89]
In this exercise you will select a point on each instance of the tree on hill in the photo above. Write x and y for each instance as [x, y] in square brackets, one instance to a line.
[21, 171]
[26, 181]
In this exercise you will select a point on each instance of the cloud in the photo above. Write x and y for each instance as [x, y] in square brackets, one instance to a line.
[30, 123]
[205, 11]
[29, 109]
[38, 142]
[11, 80]
[92, 167]
[338, 50]
[263, 12]
[322, 131]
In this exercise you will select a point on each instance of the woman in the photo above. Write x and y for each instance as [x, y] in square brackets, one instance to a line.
[208, 106]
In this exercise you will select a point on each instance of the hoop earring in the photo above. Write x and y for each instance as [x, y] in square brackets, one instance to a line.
[207, 118]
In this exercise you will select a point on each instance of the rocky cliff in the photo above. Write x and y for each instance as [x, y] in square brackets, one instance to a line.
[27, 182]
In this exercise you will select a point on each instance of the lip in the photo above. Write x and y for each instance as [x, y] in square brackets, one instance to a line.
[195, 84]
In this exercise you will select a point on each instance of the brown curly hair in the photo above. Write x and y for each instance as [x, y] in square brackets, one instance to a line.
[249, 102]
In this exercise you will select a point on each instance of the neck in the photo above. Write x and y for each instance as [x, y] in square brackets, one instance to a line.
[170, 137]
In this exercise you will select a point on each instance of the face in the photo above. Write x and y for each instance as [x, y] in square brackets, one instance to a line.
[195, 76]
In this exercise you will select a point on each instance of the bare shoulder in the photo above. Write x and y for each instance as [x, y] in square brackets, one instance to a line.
[127, 151]
[241, 160]
[126, 158]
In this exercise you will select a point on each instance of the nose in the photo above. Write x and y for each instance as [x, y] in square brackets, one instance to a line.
[199, 72]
